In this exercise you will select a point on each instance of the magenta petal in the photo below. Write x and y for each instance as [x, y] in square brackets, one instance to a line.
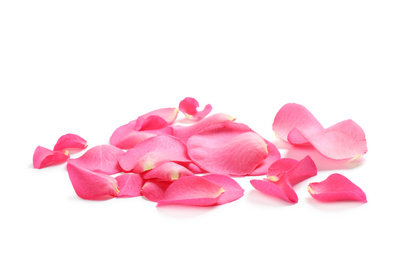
[232, 190]
[335, 188]
[192, 190]
[189, 107]
[91, 185]
[130, 184]
[273, 156]
[296, 171]
[280, 188]
[152, 152]
[70, 141]
[168, 171]
[43, 157]
[154, 190]
[229, 148]
[101, 159]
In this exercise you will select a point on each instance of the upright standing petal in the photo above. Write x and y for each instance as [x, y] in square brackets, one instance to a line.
[280, 188]
[189, 107]
[296, 171]
[70, 141]
[43, 157]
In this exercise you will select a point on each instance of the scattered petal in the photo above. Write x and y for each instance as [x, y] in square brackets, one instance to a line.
[130, 184]
[168, 171]
[336, 188]
[296, 171]
[91, 185]
[194, 168]
[154, 190]
[70, 142]
[189, 107]
[43, 157]
[232, 190]
[273, 156]
[280, 188]
[156, 119]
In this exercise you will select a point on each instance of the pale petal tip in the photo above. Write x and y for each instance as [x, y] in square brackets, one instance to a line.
[310, 190]
[273, 178]
[66, 152]
[175, 176]
[356, 157]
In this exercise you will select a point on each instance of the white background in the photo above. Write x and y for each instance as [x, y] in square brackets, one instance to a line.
[87, 67]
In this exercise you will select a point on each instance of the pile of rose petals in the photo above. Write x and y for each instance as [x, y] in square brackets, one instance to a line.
[171, 163]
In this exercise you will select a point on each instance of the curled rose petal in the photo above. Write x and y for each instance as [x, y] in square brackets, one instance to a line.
[232, 190]
[168, 171]
[130, 184]
[70, 142]
[192, 190]
[273, 156]
[154, 190]
[296, 171]
[280, 188]
[192, 167]
[43, 157]
[156, 119]
[152, 152]
[189, 107]
[229, 148]
[101, 159]
[336, 188]
[91, 185]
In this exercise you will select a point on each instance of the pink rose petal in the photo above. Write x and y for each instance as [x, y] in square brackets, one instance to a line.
[156, 119]
[336, 188]
[192, 190]
[168, 171]
[192, 167]
[189, 107]
[152, 152]
[229, 148]
[273, 156]
[130, 184]
[154, 190]
[70, 142]
[43, 157]
[232, 190]
[101, 159]
[280, 188]
[91, 185]
[296, 171]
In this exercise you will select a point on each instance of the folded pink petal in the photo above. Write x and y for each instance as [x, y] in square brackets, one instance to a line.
[152, 152]
[280, 188]
[70, 141]
[296, 171]
[194, 168]
[168, 171]
[336, 188]
[192, 190]
[154, 190]
[189, 107]
[101, 158]
[273, 156]
[229, 148]
[184, 132]
[91, 185]
[43, 157]
[232, 190]
[156, 119]
[130, 184]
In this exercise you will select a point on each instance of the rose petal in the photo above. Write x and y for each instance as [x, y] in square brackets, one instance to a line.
[189, 107]
[273, 156]
[152, 152]
[130, 185]
[192, 190]
[194, 168]
[229, 148]
[156, 119]
[280, 188]
[168, 171]
[91, 185]
[232, 190]
[154, 190]
[101, 159]
[43, 157]
[70, 141]
[336, 188]
[296, 171]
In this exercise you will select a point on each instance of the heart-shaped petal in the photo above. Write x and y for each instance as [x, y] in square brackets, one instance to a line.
[296, 171]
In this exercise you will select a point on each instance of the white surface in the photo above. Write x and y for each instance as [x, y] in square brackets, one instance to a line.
[87, 67]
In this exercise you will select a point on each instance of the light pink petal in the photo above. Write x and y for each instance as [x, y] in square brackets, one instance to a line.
[194, 168]
[292, 116]
[91, 185]
[101, 158]
[156, 119]
[189, 107]
[152, 152]
[273, 156]
[192, 190]
[130, 184]
[43, 157]
[70, 142]
[280, 188]
[126, 137]
[154, 190]
[296, 171]
[228, 148]
[232, 190]
[168, 171]
[335, 188]
[184, 132]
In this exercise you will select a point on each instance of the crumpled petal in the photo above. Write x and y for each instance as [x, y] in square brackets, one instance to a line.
[130, 184]
[101, 158]
[152, 152]
[156, 119]
[229, 148]
[43, 157]
[189, 107]
[192, 190]
[168, 171]
[336, 188]
[232, 190]
[296, 171]
[280, 188]
[70, 141]
[91, 185]
[184, 132]
[273, 156]
[154, 190]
